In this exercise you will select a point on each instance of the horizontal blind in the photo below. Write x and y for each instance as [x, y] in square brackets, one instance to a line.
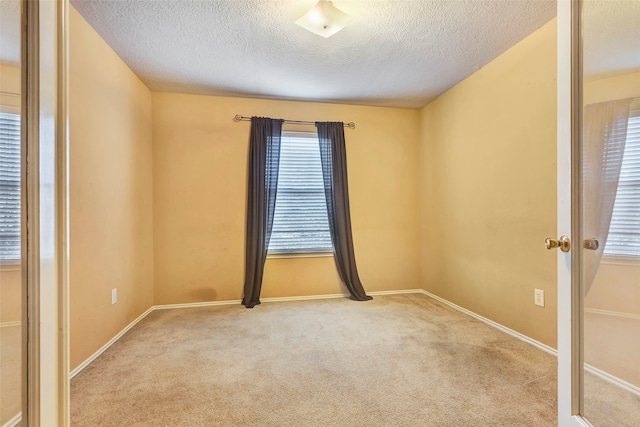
[624, 231]
[300, 220]
[9, 187]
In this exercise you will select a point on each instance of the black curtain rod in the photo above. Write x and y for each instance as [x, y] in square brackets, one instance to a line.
[239, 118]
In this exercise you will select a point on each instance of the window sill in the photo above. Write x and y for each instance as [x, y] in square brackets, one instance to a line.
[300, 255]
[10, 266]
[621, 260]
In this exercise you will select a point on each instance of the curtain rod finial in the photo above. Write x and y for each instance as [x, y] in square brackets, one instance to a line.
[351, 125]
[237, 118]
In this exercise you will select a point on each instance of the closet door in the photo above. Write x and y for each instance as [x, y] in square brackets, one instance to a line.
[599, 208]
[44, 214]
[569, 319]
[610, 221]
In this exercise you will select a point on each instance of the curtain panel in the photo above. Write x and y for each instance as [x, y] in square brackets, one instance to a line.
[604, 137]
[333, 157]
[264, 160]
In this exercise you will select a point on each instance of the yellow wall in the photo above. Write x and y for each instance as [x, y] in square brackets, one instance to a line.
[607, 88]
[10, 82]
[200, 181]
[489, 189]
[616, 288]
[10, 275]
[111, 243]
[10, 293]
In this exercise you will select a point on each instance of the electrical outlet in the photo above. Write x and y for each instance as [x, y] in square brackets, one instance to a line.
[538, 297]
[114, 296]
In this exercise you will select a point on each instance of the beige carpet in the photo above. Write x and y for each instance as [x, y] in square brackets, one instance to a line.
[402, 360]
[606, 405]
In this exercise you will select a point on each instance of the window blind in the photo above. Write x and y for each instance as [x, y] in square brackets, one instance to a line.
[624, 231]
[300, 220]
[9, 187]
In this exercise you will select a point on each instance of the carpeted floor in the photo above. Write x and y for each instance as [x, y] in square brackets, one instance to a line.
[606, 405]
[401, 360]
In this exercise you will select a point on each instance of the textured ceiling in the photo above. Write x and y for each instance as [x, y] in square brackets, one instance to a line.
[10, 31]
[395, 53]
[611, 32]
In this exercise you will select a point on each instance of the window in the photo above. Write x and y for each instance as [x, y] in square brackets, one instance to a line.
[300, 221]
[624, 231]
[9, 187]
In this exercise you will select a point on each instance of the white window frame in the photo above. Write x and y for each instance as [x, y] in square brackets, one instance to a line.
[11, 264]
[327, 251]
[612, 257]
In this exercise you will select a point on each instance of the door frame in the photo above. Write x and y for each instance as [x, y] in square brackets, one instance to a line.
[570, 299]
[45, 362]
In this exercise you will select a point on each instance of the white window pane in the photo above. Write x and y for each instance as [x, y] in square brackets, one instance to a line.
[9, 187]
[624, 231]
[300, 222]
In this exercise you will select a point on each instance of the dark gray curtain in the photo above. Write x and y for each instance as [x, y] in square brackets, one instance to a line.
[333, 156]
[264, 160]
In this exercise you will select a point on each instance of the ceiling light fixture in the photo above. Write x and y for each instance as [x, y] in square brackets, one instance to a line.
[324, 19]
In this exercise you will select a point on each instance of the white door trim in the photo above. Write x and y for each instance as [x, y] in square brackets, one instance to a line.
[45, 326]
[570, 373]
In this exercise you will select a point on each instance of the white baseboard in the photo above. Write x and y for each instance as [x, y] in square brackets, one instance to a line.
[194, 304]
[280, 299]
[302, 298]
[328, 296]
[10, 324]
[613, 380]
[600, 373]
[13, 421]
[612, 313]
[102, 349]
[238, 302]
[402, 291]
[496, 325]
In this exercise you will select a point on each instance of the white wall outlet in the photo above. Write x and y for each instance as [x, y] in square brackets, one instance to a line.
[114, 296]
[538, 297]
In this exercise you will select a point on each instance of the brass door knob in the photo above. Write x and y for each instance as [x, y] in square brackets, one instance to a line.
[591, 244]
[563, 243]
